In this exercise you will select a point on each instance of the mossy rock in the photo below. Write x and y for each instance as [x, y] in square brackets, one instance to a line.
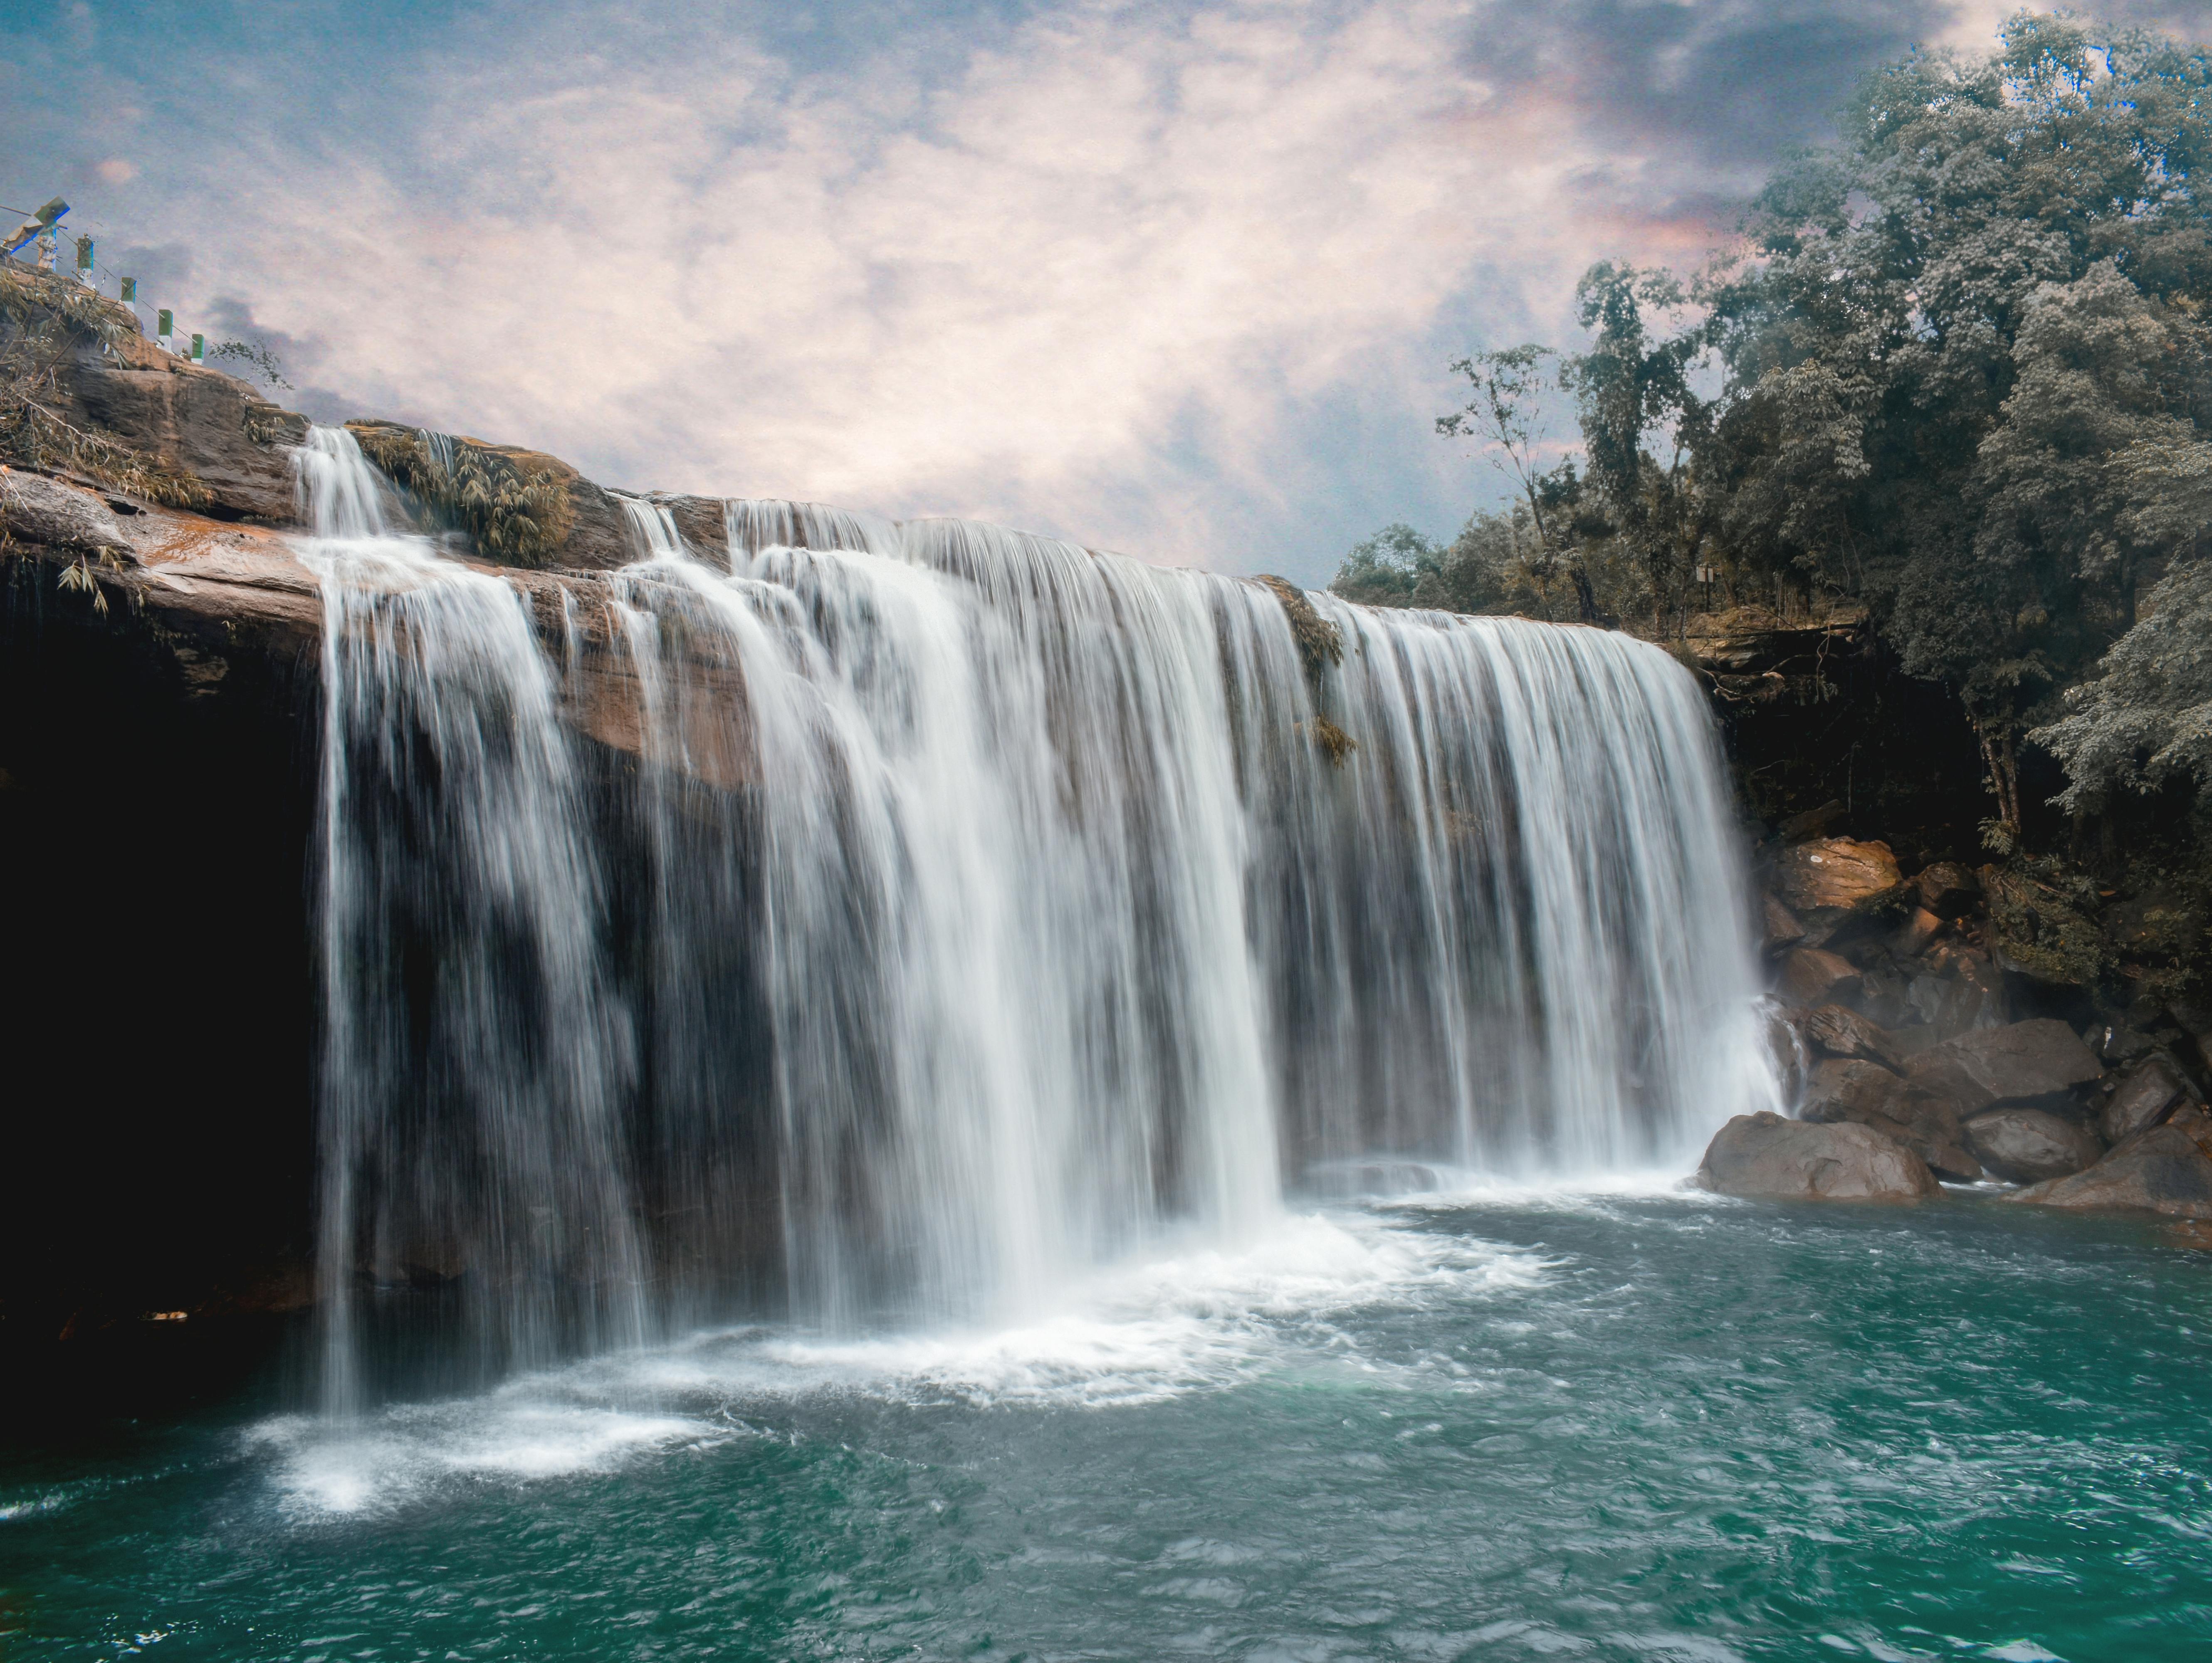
[1321, 644]
[2038, 930]
[48, 327]
[517, 506]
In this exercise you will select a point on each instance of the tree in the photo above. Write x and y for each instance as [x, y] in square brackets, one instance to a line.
[1626, 386]
[1964, 374]
[1957, 330]
[255, 356]
[2146, 719]
[1507, 415]
[1389, 568]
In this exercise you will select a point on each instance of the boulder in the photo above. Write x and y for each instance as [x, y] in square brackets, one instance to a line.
[1813, 976]
[2118, 1045]
[1965, 962]
[1846, 1089]
[2146, 1096]
[1882, 996]
[2027, 1146]
[1842, 1032]
[2197, 1023]
[1812, 822]
[203, 422]
[1949, 889]
[2018, 1062]
[1765, 1157]
[1866, 1094]
[1783, 926]
[1928, 1124]
[1961, 990]
[1917, 931]
[2167, 1170]
[40, 510]
[1834, 871]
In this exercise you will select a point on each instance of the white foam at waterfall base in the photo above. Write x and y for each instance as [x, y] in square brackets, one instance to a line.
[1186, 1317]
[1199, 1318]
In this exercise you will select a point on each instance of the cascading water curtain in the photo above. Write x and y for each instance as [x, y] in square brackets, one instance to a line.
[955, 909]
[475, 1057]
[1004, 952]
[1508, 932]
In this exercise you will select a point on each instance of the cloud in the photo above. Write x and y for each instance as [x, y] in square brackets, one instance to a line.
[1728, 85]
[1974, 23]
[164, 270]
[116, 171]
[296, 359]
[1104, 276]
[1178, 279]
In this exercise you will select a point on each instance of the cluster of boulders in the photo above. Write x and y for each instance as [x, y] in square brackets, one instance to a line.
[1898, 1030]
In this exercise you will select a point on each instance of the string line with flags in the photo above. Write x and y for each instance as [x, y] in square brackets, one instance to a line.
[40, 232]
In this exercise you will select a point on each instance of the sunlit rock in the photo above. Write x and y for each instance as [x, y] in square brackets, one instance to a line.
[1949, 889]
[1834, 871]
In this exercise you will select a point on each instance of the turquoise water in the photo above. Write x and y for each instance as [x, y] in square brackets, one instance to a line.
[1511, 1426]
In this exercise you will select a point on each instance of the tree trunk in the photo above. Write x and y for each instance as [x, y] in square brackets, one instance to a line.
[2001, 756]
[1585, 598]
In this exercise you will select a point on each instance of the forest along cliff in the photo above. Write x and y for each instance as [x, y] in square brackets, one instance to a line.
[2021, 1019]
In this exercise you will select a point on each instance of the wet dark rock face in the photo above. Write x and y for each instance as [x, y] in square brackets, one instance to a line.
[156, 807]
[159, 736]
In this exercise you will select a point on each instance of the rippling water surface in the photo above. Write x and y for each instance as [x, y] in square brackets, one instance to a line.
[1498, 1426]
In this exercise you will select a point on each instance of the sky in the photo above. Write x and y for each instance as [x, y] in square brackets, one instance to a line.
[1183, 281]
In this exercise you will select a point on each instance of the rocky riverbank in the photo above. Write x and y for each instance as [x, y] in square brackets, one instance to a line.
[1934, 1027]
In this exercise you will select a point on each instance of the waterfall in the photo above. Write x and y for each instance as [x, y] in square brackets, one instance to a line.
[475, 1057]
[952, 910]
